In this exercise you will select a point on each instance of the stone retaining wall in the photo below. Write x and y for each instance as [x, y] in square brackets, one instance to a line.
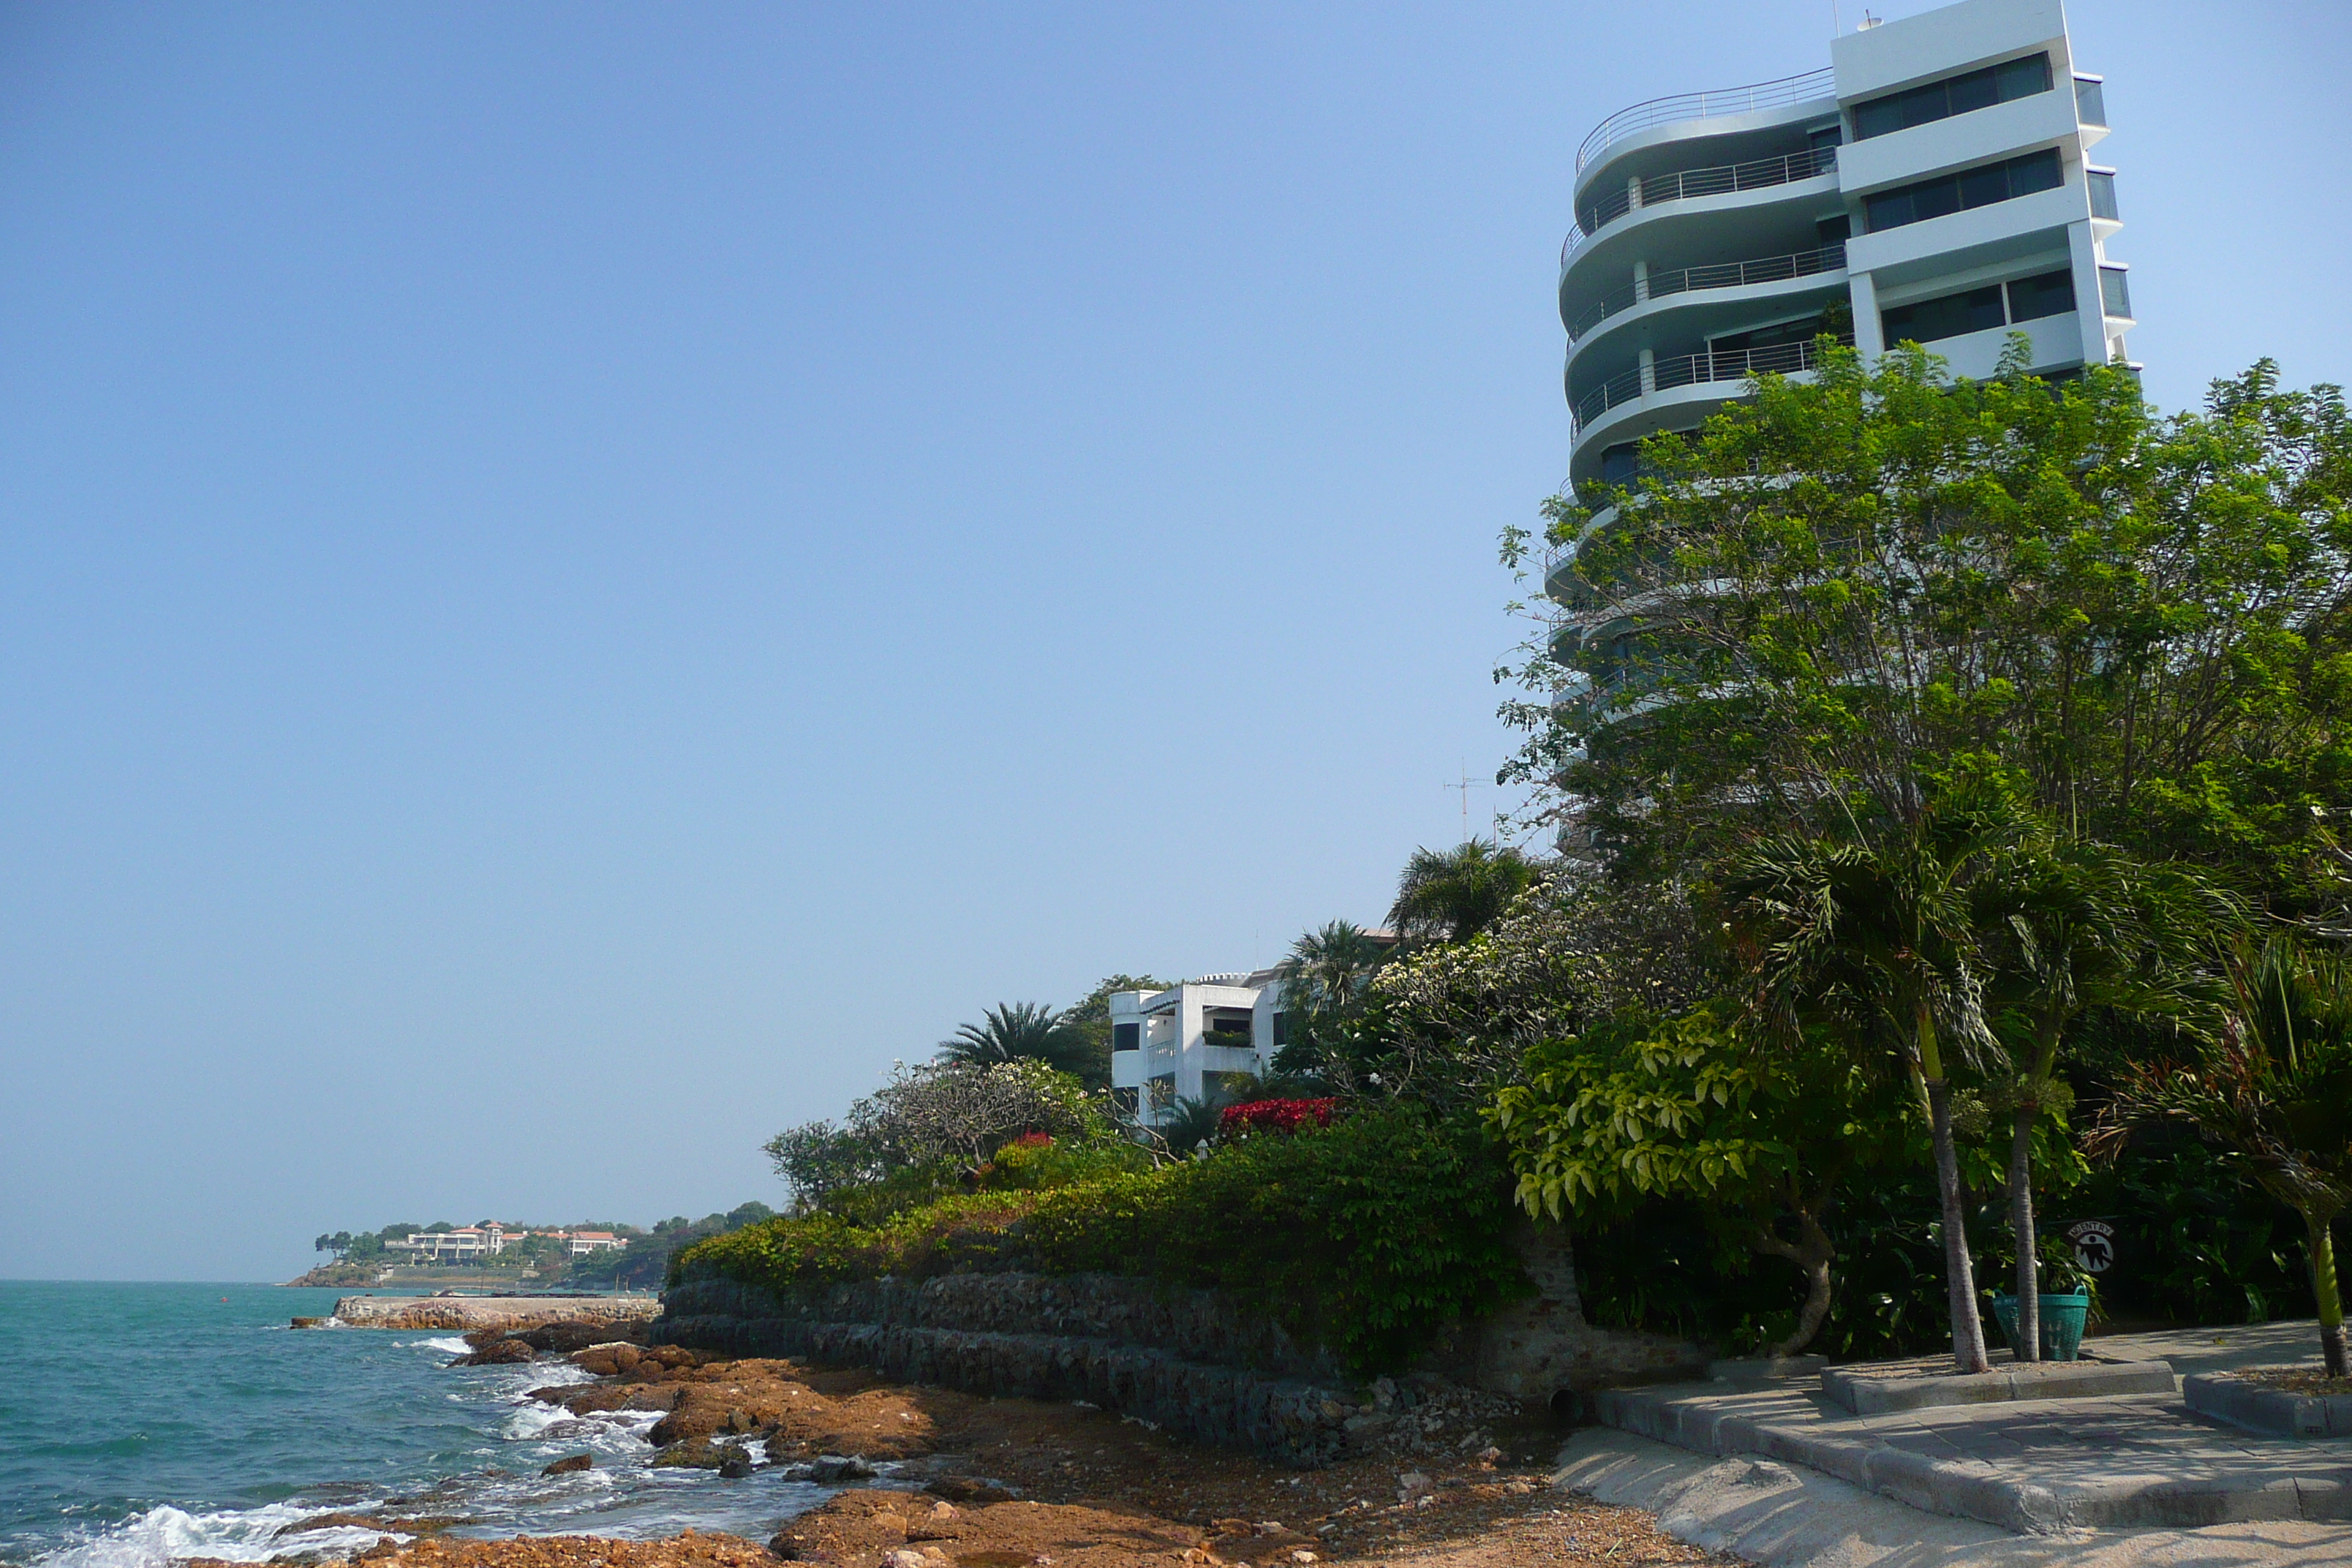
[1196, 1361]
[913, 1334]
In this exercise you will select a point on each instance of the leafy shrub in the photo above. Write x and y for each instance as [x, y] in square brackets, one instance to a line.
[1368, 1236]
[1276, 1115]
[1039, 1161]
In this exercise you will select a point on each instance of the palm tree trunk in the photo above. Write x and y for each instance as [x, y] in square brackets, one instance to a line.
[2324, 1287]
[1960, 1276]
[2020, 1219]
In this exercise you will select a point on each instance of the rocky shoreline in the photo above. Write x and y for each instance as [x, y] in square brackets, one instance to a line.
[1456, 1480]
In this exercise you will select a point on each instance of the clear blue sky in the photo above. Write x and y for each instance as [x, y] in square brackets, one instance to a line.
[574, 580]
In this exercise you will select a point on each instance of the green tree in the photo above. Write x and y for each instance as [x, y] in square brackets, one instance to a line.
[2274, 1093]
[1021, 1031]
[1451, 895]
[1764, 1139]
[2075, 927]
[1840, 592]
[1325, 981]
[1878, 939]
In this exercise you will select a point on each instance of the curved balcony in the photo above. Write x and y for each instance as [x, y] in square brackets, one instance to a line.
[1723, 275]
[1690, 370]
[1812, 84]
[1723, 179]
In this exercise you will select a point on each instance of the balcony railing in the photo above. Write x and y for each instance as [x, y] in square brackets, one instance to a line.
[1659, 189]
[1691, 370]
[1821, 83]
[1722, 275]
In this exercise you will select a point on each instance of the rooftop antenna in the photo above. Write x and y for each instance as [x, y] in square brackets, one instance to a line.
[1465, 786]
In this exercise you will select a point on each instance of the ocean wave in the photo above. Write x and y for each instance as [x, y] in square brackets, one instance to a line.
[447, 1344]
[163, 1535]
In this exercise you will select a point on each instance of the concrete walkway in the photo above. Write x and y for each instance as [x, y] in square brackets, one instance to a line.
[1784, 1516]
[2037, 1467]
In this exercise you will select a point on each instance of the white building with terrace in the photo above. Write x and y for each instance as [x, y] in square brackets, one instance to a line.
[1201, 1040]
[1933, 184]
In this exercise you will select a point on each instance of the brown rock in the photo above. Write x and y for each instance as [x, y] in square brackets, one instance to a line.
[566, 1467]
[963, 1489]
[499, 1353]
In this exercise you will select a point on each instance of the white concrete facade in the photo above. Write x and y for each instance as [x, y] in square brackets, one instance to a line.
[1934, 183]
[1192, 1041]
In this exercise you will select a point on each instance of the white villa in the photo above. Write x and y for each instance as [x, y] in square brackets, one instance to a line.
[472, 1243]
[1193, 1041]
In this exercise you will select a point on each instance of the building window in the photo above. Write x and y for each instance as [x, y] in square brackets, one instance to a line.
[1954, 95]
[1971, 188]
[2090, 102]
[2103, 193]
[1281, 1029]
[1980, 310]
[1161, 1092]
[2046, 294]
[1123, 1100]
[2115, 293]
[1126, 1037]
[1925, 321]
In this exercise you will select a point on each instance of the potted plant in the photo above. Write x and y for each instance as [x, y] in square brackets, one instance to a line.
[2065, 1305]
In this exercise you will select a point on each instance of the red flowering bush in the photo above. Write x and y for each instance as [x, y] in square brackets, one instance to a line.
[1276, 1115]
[1034, 1140]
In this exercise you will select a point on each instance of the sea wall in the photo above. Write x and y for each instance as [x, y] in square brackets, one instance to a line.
[466, 1314]
[1196, 1361]
[957, 1332]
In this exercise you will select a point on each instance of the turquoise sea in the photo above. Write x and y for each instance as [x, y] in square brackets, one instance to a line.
[143, 1423]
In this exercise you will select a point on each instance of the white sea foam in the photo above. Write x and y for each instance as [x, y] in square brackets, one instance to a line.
[160, 1535]
[448, 1344]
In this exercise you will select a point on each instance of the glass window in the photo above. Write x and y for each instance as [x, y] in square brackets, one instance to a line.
[1620, 463]
[2049, 294]
[2115, 292]
[1927, 321]
[1959, 192]
[1126, 1037]
[2035, 172]
[2023, 79]
[2090, 102]
[1980, 89]
[2103, 195]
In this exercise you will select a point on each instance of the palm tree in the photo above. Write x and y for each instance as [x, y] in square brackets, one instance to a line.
[2083, 926]
[1328, 968]
[1023, 1031]
[2275, 1093]
[1881, 936]
[1191, 1124]
[1451, 895]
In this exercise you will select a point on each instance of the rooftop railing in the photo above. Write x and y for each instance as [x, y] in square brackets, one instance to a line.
[1721, 275]
[1821, 83]
[1691, 370]
[1659, 189]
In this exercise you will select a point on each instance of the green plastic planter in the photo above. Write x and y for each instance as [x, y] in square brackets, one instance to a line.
[2063, 1313]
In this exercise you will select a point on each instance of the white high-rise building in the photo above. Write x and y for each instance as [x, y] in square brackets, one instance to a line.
[1933, 184]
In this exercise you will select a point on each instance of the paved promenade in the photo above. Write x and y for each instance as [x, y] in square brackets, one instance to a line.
[2038, 1467]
